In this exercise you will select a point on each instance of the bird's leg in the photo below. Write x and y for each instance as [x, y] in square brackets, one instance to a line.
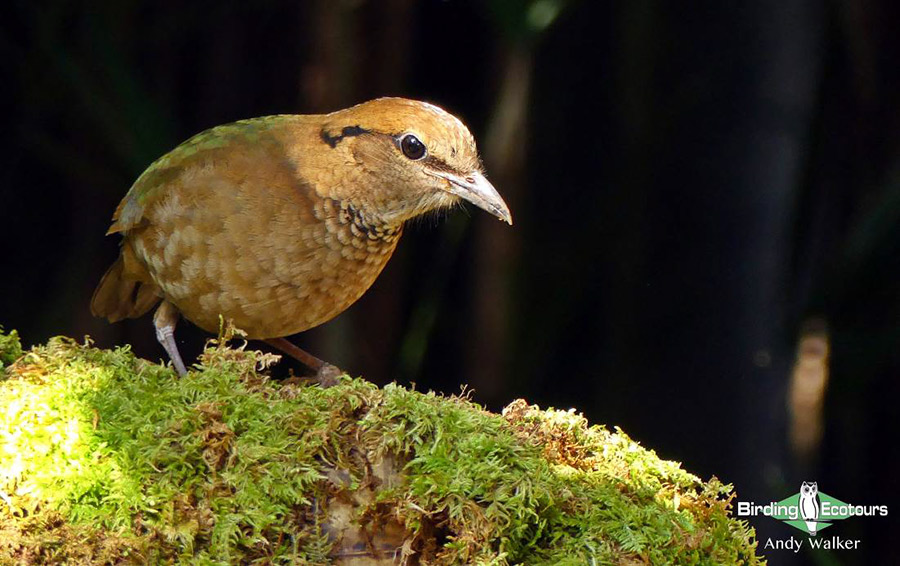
[164, 319]
[326, 374]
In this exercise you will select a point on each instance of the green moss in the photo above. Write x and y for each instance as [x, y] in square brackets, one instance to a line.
[10, 348]
[106, 458]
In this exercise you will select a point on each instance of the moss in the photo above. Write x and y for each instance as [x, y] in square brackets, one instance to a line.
[10, 348]
[107, 458]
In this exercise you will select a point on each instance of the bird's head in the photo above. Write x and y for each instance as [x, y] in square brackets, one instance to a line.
[415, 156]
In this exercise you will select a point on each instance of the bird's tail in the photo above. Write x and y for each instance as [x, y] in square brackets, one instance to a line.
[811, 527]
[122, 295]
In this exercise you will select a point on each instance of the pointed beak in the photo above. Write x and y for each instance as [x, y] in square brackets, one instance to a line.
[476, 189]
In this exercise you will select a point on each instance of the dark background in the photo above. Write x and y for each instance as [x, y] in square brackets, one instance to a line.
[706, 198]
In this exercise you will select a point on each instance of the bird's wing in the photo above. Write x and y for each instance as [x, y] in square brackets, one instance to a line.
[152, 183]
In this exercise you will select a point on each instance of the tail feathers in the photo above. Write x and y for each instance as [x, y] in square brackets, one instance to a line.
[119, 296]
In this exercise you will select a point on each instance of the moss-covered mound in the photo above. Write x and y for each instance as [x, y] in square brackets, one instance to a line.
[109, 459]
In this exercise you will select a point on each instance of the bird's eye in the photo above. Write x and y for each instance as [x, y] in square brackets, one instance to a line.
[412, 147]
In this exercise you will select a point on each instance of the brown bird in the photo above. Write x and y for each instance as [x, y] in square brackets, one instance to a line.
[280, 223]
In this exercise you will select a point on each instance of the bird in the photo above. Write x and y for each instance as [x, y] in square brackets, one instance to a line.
[280, 223]
[809, 506]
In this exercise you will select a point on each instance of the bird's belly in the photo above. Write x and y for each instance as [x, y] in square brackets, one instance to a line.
[272, 274]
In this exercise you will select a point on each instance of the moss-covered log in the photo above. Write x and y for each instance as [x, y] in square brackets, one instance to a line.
[110, 459]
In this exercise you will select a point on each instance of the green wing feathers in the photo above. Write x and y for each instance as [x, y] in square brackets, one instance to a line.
[127, 290]
[156, 179]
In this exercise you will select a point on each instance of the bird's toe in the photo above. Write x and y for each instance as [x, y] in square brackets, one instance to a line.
[329, 375]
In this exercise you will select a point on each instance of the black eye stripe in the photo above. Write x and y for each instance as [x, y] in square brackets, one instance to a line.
[333, 139]
[436, 164]
[412, 147]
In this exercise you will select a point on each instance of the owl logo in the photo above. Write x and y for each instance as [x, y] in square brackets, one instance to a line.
[809, 505]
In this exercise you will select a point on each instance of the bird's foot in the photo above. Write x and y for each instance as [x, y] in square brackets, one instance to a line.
[165, 319]
[328, 375]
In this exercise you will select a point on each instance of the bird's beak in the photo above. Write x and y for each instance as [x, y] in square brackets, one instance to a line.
[476, 189]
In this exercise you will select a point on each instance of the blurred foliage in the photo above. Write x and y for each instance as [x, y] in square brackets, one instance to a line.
[524, 20]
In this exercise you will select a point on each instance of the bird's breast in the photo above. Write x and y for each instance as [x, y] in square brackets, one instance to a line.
[276, 262]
